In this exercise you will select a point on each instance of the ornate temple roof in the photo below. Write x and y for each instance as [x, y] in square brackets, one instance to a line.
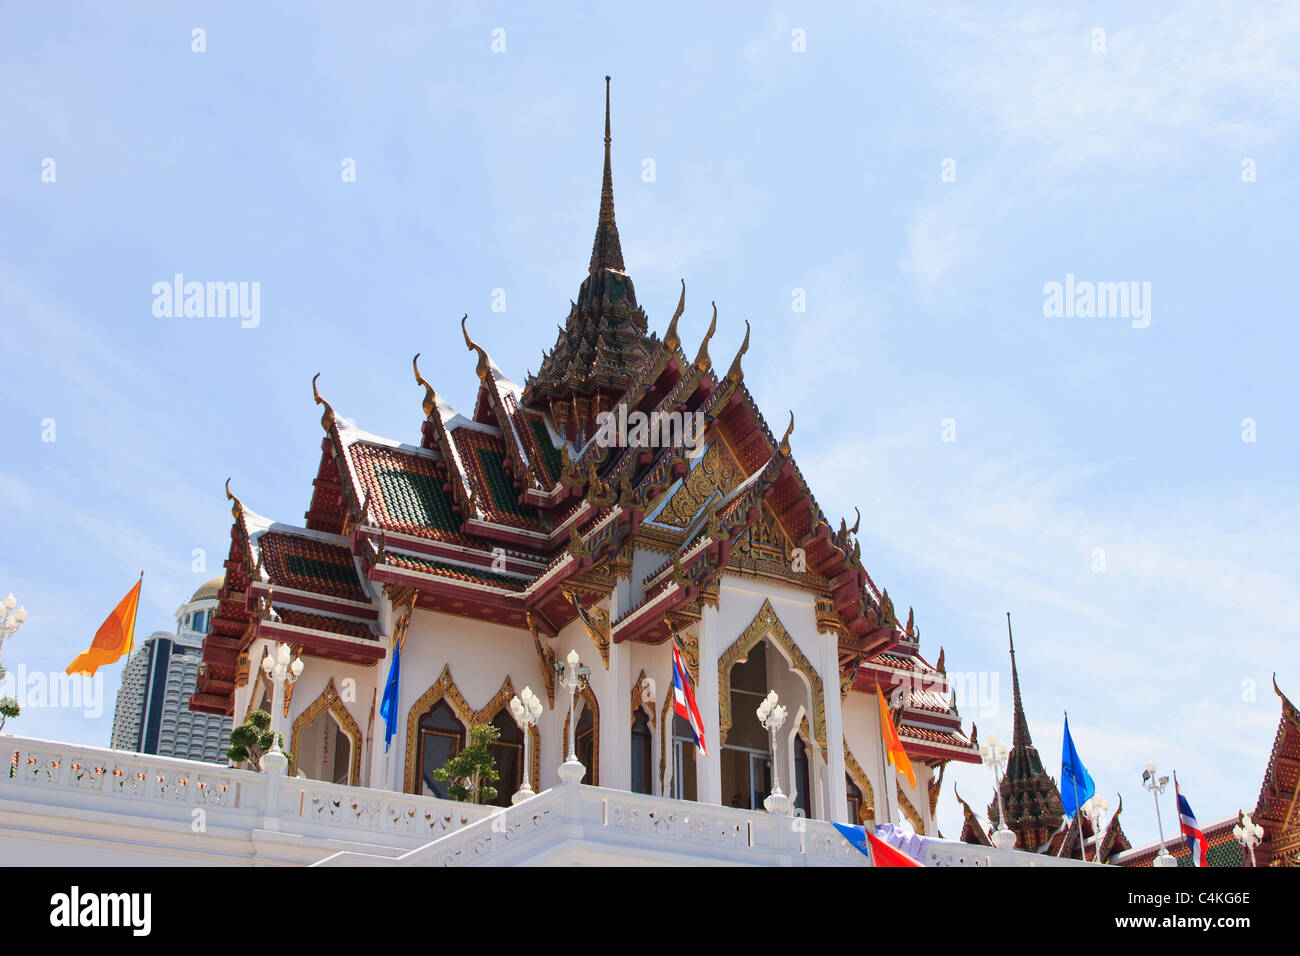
[1030, 795]
[508, 514]
[604, 339]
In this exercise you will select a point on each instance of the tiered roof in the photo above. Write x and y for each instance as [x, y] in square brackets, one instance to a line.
[509, 513]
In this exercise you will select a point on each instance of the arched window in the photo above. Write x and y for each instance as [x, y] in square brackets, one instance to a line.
[441, 737]
[802, 778]
[641, 747]
[746, 757]
[508, 754]
[684, 782]
[585, 742]
[855, 800]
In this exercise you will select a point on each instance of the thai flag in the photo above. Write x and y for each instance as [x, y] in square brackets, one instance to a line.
[684, 700]
[1192, 833]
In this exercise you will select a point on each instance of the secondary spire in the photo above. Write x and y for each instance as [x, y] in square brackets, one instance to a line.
[606, 253]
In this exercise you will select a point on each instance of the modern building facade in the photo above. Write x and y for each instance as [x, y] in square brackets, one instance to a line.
[153, 715]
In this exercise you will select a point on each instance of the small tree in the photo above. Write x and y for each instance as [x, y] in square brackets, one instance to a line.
[473, 771]
[8, 705]
[251, 739]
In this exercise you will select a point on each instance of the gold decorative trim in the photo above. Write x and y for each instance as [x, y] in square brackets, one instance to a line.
[909, 810]
[599, 617]
[589, 699]
[767, 625]
[859, 777]
[444, 688]
[935, 785]
[259, 688]
[638, 700]
[330, 701]
[545, 660]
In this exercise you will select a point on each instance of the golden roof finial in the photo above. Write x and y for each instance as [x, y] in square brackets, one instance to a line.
[430, 397]
[237, 509]
[671, 338]
[857, 522]
[482, 369]
[784, 446]
[327, 417]
[702, 360]
[736, 373]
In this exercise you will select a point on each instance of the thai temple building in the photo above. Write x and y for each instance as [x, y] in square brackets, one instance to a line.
[626, 505]
[480, 540]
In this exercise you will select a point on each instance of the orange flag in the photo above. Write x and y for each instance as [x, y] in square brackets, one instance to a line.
[115, 637]
[893, 746]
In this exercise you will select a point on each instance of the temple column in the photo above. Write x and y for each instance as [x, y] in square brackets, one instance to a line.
[709, 769]
[836, 792]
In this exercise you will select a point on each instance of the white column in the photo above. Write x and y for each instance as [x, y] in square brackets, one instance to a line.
[836, 793]
[616, 720]
[709, 770]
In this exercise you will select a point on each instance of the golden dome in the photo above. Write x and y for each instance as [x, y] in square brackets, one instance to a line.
[209, 590]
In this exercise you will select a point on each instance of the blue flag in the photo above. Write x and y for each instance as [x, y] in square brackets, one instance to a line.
[388, 709]
[1076, 784]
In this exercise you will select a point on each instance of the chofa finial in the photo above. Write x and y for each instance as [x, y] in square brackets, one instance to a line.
[671, 339]
[784, 446]
[736, 373]
[702, 360]
[482, 369]
[430, 397]
[327, 417]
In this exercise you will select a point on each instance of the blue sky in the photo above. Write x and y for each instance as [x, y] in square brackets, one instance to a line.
[775, 170]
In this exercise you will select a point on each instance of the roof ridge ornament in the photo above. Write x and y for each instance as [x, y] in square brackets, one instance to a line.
[483, 365]
[702, 360]
[736, 373]
[784, 446]
[671, 339]
[327, 417]
[430, 396]
[237, 511]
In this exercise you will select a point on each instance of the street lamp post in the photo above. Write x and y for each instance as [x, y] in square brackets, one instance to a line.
[281, 672]
[573, 676]
[771, 714]
[526, 710]
[1094, 808]
[1249, 834]
[994, 756]
[1157, 787]
[12, 618]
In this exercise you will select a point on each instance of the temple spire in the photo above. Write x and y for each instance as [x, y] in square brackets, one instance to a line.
[606, 253]
[1019, 726]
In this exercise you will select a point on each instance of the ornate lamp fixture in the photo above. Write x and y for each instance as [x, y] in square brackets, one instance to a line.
[1249, 834]
[1157, 786]
[280, 672]
[526, 710]
[11, 620]
[771, 714]
[994, 756]
[1094, 808]
[572, 675]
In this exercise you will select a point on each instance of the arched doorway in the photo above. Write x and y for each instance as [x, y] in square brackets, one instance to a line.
[324, 750]
[325, 741]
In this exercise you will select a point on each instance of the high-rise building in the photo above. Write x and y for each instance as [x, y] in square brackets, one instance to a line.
[153, 714]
